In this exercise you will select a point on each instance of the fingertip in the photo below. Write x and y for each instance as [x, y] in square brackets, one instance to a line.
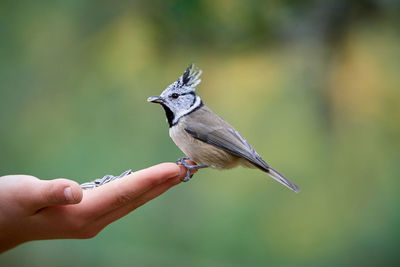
[170, 169]
[62, 192]
[175, 170]
[182, 171]
[73, 193]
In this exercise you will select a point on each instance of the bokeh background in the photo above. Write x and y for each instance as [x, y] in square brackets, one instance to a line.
[312, 85]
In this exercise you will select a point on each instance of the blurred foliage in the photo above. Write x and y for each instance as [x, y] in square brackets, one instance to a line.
[312, 85]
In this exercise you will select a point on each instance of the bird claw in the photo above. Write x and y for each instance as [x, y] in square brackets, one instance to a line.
[182, 161]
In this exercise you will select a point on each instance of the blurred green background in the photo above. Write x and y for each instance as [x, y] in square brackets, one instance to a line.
[312, 85]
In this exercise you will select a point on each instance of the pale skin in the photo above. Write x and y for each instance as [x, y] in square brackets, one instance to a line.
[34, 209]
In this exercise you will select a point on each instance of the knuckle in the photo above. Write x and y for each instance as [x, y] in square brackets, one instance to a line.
[154, 180]
[52, 194]
[122, 199]
[48, 193]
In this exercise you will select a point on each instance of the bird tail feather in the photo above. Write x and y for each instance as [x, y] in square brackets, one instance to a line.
[282, 179]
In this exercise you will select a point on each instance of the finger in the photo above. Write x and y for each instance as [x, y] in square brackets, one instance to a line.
[111, 201]
[88, 226]
[122, 192]
[139, 201]
[53, 192]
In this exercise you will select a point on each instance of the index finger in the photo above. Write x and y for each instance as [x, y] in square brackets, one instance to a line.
[121, 192]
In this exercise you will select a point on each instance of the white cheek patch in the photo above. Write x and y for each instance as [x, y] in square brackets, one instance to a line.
[182, 113]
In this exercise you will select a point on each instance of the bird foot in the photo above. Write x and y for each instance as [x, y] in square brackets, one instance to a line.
[182, 161]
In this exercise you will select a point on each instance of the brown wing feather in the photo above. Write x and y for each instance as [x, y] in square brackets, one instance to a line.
[212, 129]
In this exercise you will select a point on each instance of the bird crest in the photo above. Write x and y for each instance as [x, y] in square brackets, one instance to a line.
[189, 79]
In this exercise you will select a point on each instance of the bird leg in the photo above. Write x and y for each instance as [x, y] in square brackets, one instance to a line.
[182, 161]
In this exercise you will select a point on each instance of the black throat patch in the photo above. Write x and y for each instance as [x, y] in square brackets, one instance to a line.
[170, 115]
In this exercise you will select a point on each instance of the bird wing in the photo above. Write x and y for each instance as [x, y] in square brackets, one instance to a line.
[210, 128]
[227, 139]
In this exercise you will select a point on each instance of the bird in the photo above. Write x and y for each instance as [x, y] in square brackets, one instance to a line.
[203, 136]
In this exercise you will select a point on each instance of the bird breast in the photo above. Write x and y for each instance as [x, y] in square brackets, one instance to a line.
[201, 152]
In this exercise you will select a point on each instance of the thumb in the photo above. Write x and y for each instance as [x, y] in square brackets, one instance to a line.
[56, 192]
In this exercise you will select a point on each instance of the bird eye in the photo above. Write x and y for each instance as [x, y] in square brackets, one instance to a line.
[175, 95]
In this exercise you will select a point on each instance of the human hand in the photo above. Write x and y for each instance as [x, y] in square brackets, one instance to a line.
[33, 209]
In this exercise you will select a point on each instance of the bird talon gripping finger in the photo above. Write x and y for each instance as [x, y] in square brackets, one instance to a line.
[202, 135]
[182, 161]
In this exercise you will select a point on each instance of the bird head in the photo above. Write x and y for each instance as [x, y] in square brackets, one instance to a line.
[180, 99]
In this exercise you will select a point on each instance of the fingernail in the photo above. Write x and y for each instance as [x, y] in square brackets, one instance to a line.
[183, 171]
[68, 195]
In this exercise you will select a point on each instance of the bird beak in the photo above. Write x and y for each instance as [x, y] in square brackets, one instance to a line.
[155, 99]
